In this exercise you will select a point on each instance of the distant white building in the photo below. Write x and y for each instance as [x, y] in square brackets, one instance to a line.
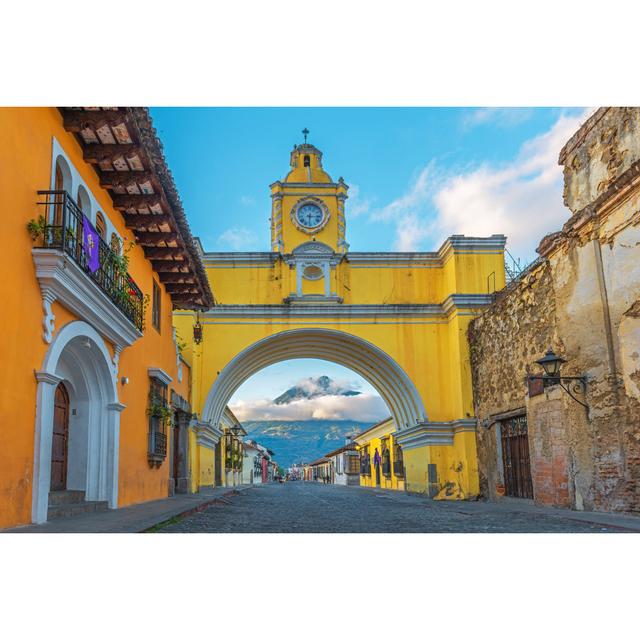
[344, 465]
[256, 463]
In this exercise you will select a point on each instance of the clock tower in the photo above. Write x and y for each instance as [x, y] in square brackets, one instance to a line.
[308, 206]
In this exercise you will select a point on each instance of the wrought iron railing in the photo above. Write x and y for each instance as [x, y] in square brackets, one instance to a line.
[398, 468]
[157, 445]
[66, 234]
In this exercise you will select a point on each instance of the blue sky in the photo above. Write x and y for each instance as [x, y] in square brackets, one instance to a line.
[416, 174]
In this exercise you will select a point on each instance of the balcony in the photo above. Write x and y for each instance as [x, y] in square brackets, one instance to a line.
[108, 298]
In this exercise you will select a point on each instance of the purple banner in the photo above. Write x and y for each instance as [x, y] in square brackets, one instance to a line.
[90, 244]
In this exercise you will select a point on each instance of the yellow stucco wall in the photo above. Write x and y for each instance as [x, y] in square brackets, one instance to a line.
[429, 345]
[372, 438]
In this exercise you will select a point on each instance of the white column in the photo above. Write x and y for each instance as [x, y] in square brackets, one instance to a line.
[326, 268]
[45, 397]
[299, 270]
[114, 410]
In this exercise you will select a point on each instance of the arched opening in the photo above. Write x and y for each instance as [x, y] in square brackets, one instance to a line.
[83, 201]
[384, 374]
[101, 226]
[302, 409]
[307, 161]
[77, 422]
[61, 182]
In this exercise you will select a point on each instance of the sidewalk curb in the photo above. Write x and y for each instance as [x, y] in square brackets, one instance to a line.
[193, 510]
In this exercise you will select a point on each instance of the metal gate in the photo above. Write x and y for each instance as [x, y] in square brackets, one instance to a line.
[515, 457]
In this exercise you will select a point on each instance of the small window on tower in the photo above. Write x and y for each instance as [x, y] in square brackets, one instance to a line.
[307, 161]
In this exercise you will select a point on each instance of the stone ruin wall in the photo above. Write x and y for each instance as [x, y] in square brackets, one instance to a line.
[581, 460]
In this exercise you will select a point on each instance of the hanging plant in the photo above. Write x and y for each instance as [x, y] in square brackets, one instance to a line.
[36, 228]
[159, 408]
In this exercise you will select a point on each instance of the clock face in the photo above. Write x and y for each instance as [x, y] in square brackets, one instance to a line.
[310, 215]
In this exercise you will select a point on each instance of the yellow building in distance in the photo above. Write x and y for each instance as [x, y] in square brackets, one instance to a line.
[397, 319]
[381, 460]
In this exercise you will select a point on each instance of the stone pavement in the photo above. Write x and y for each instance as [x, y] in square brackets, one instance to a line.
[298, 507]
[136, 518]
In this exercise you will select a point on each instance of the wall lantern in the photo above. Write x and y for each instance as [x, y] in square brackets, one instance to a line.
[197, 329]
[551, 365]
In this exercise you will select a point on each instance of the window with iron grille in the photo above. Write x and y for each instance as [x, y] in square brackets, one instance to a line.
[365, 461]
[159, 413]
[398, 462]
[385, 457]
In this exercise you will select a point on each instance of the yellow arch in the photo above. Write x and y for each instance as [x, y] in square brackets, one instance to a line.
[374, 365]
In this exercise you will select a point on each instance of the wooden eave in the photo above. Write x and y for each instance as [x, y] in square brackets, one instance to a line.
[123, 147]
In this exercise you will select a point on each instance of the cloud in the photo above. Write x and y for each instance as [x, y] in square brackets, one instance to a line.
[357, 206]
[237, 238]
[247, 201]
[408, 211]
[504, 117]
[521, 199]
[312, 386]
[363, 408]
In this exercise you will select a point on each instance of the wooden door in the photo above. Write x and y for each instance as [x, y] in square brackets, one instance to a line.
[175, 467]
[515, 457]
[60, 441]
[218, 465]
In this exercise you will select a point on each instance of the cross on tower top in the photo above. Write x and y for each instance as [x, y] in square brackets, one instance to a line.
[305, 133]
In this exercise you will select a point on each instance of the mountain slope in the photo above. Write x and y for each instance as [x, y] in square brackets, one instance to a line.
[303, 441]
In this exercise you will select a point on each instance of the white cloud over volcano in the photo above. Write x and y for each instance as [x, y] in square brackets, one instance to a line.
[363, 407]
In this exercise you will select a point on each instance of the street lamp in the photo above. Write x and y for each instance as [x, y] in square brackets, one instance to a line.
[551, 365]
[197, 329]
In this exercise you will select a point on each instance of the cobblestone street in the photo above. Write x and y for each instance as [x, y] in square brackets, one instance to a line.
[298, 507]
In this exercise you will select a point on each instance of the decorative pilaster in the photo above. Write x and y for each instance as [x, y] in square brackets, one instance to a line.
[48, 321]
[117, 350]
[45, 396]
[277, 245]
[343, 246]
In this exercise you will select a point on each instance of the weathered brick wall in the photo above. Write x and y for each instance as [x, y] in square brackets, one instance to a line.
[504, 342]
[549, 449]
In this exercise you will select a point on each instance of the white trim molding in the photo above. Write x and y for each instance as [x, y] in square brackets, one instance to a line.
[207, 435]
[160, 374]
[62, 279]
[429, 434]
[332, 307]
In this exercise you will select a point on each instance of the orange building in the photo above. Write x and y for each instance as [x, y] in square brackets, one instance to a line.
[94, 394]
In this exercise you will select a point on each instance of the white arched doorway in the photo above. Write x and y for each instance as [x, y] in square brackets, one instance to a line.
[78, 358]
[374, 365]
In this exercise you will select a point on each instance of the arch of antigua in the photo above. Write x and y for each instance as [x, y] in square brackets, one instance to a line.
[397, 319]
